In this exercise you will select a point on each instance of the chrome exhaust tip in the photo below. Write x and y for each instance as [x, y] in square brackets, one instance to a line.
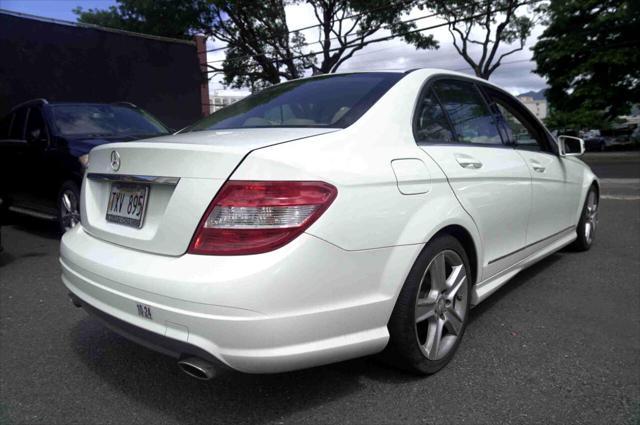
[197, 368]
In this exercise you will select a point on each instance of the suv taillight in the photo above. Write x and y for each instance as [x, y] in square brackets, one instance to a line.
[252, 217]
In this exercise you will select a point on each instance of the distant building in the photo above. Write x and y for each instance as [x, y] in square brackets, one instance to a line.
[221, 99]
[537, 106]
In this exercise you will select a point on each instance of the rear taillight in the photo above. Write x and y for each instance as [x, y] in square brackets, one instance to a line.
[251, 217]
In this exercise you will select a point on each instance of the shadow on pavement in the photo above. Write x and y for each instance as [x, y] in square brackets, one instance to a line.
[519, 280]
[37, 227]
[155, 380]
[6, 258]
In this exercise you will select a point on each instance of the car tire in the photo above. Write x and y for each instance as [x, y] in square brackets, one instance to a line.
[426, 309]
[68, 203]
[588, 222]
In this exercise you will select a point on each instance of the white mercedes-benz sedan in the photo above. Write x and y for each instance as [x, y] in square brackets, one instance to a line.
[324, 219]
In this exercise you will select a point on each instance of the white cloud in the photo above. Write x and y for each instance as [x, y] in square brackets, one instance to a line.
[515, 74]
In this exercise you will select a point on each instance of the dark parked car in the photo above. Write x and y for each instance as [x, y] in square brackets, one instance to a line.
[44, 147]
[595, 143]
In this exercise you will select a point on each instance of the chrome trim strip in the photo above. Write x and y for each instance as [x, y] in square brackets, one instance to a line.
[532, 244]
[170, 181]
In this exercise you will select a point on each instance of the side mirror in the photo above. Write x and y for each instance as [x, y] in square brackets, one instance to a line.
[570, 146]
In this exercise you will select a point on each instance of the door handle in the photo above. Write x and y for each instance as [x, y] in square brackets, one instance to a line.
[537, 166]
[467, 161]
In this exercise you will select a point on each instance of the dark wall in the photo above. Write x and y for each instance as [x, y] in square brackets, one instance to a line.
[70, 63]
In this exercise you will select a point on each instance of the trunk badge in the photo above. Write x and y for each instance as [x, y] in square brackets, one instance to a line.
[115, 160]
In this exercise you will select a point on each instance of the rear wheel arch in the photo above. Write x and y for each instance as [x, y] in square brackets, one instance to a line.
[407, 340]
[466, 240]
[464, 237]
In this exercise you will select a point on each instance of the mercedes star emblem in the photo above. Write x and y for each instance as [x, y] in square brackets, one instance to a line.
[115, 160]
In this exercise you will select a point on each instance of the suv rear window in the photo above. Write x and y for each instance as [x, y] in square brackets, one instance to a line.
[336, 101]
[102, 120]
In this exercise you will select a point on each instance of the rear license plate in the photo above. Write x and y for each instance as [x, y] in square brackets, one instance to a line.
[127, 204]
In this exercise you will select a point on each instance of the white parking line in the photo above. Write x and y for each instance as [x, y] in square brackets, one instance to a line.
[621, 197]
[621, 185]
[620, 181]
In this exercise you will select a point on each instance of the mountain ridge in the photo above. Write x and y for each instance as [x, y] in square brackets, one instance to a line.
[536, 95]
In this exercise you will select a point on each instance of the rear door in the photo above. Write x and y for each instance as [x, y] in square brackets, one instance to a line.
[455, 126]
[14, 162]
[552, 199]
[42, 183]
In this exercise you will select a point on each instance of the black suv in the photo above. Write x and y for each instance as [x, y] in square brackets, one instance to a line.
[44, 147]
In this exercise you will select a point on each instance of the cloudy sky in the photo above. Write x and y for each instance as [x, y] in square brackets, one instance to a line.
[514, 75]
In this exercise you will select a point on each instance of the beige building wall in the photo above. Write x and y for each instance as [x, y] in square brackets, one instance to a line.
[219, 101]
[538, 107]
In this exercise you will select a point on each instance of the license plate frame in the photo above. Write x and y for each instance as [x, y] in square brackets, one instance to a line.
[123, 189]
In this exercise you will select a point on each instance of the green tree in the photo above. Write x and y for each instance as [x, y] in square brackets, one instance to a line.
[260, 50]
[590, 55]
[479, 28]
[168, 18]
[575, 120]
[259, 47]
[347, 26]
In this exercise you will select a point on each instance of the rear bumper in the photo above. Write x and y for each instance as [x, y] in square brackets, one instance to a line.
[160, 343]
[306, 304]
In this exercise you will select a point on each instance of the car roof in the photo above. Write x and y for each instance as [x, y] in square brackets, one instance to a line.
[424, 71]
[445, 72]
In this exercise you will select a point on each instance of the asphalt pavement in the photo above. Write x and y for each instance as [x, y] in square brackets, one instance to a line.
[559, 344]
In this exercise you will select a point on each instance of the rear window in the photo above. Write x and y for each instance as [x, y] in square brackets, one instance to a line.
[335, 101]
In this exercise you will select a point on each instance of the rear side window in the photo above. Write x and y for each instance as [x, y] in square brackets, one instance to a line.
[468, 112]
[431, 124]
[520, 128]
[17, 127]
[36, 128]
[335, 101]
[517, 132]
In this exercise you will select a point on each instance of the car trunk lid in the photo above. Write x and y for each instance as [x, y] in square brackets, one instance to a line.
[182, 173]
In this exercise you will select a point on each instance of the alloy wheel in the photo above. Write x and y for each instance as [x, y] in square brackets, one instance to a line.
[441, 305]
[591, 219]
[69, 209]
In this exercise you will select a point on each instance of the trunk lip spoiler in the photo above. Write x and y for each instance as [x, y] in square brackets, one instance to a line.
[131, 178]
